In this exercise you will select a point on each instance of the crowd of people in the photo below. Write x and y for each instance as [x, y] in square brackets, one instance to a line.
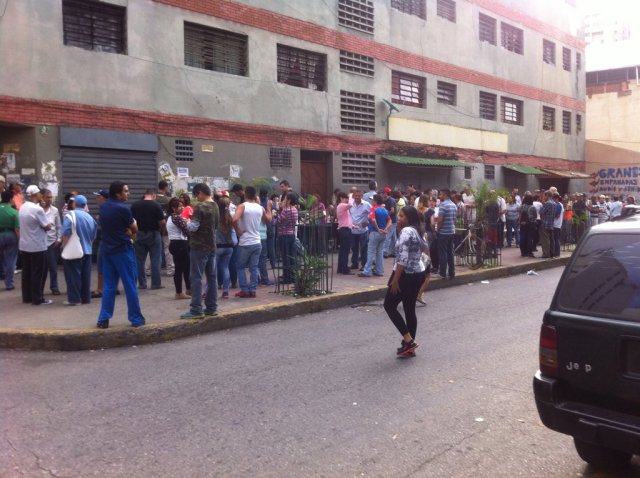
[231, 239]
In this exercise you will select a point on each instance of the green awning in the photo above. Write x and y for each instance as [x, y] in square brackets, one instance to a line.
[429, 162]
[523, 169]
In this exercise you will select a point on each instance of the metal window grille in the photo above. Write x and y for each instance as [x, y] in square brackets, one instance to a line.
[357, 112]
[358, 169]
[566, 122]
[447, 93]
[487, 27]
[578, 61]
[512, 38]
[566, 59]
[511, 110]
[578, 124]
[447, 9]
[407, 89]
[488, 106]
[302, 68]
[548, 52]
[356, 14]
[489, 171]
[216, 50]
[467, 172]
[94, 25]
[548, 118]
[355, 63]
[280, 158]
[412, 7]
[184, 150]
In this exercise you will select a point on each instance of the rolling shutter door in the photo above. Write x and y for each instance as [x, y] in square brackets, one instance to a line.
[88, 170]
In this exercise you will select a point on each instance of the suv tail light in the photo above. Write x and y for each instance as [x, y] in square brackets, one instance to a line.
[548, 351]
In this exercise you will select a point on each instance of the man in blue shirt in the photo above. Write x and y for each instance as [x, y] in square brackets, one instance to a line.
[446, 232]
[118, 259]
[379, 225]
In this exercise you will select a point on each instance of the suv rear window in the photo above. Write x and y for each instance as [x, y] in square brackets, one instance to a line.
[604, 279]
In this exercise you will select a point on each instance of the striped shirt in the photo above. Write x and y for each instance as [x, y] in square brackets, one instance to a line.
[448, 212]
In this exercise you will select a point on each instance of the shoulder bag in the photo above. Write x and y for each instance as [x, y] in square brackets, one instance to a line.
[73, 247]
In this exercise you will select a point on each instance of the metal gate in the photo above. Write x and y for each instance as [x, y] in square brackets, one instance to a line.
[87, 170]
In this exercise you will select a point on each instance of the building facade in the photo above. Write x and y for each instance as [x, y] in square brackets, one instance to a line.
[325, 94]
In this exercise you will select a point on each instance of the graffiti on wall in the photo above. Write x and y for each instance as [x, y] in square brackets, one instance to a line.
[616, 180]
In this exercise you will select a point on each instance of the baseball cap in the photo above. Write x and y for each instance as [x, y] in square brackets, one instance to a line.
[31, 190]
[2, 179]
[387, 190]
[103, 192]
[80, 200]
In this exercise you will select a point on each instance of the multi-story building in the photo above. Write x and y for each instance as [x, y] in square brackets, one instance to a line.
[324, 93]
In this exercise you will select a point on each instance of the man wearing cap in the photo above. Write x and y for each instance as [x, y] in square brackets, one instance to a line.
[77, 272]
[34, 225]
[119, 261]
[101, 197]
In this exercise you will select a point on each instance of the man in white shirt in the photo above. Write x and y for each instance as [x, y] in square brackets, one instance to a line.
[616, 207]
[34, 225]
[247, 219]
[54, 240]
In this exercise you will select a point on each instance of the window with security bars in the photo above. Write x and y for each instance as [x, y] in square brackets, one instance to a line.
[216, 50]
[511, 111]
[302, 68]
[280, 158]
[94, 26]
[357, 112]
[488, 106]
[578, 61]
[467, 172]
[489, 172]
[548, 52]
[408, 89]
[412, 7]
[356, 14]
[447, 93]
[578, 124]
[447, 9]
[487, 28]
[184, 150]
[358, 169]
[355, 63]
[566, 122]
[566, 59]
[512, 38]
[548, 118]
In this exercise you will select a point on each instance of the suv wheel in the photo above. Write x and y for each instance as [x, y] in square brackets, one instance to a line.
[601, 457]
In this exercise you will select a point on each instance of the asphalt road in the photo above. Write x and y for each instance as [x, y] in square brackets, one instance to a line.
[318, 395]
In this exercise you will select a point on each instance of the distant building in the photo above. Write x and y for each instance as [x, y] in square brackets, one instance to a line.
[325, 94]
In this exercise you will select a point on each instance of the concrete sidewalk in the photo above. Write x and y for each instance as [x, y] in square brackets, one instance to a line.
[60, 327]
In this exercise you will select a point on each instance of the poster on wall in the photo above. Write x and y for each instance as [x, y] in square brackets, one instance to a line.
[616, 181]
[234, 170]
[183, 172]
[7, 162]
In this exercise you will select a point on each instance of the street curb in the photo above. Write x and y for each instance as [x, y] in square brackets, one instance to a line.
[92, 339]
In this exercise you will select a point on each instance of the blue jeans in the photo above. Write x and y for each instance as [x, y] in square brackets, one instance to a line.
[203, 263]
[115, 267]
[359, 243]
[287, 252]
[445, 251]
[344, 236]
[248, 257]
[223, 257]
[262, 264]
[513, 229]
[149, 242]
[374, 252]
[9, 254]
[77, 274]
[390, 241]
[52, 266]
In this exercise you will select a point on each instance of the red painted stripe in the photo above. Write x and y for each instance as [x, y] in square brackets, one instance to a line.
[283, 25]
[26, 111]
